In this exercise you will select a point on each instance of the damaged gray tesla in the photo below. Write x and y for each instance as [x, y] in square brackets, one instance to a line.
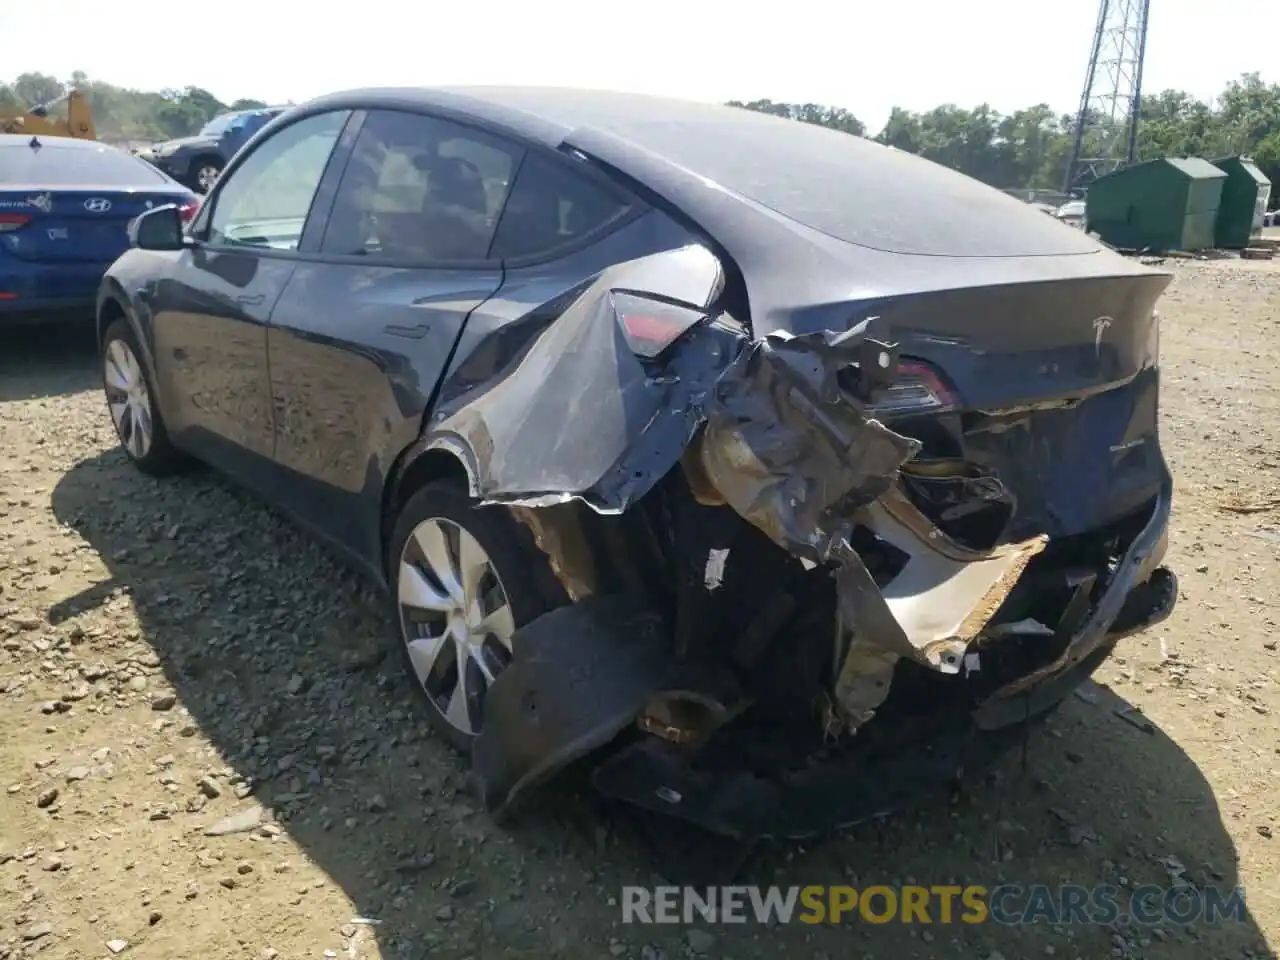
[772, 475]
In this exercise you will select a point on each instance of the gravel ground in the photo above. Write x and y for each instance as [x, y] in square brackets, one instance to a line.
[204, 752]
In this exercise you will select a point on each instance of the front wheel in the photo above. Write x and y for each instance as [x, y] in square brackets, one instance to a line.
[204, 174]
[464, 578]
[132, 404]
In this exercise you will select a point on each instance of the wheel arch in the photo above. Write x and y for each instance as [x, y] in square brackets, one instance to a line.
[114, 304]
[205, 156]
[428, 459]
[111, 307]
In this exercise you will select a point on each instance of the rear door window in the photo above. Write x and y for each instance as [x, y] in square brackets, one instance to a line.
[419, 189]
[552, 207]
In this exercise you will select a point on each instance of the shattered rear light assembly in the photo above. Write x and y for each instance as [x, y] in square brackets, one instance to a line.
[9, 222]
[917, 389]
[650, 326]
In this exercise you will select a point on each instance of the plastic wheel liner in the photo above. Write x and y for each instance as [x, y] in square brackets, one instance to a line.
[775, 428]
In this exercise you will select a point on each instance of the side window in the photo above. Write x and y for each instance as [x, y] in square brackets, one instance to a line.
[265, 201]
[551, 206]
[420, 189]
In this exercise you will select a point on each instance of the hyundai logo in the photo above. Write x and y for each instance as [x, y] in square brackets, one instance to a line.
[97, 205]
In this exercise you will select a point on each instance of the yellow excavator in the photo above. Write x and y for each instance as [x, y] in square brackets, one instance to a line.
[39, 121]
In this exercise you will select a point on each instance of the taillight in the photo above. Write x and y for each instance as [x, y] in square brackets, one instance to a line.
[650, 326]
[187, 211]
[917, 389]
[13, 221]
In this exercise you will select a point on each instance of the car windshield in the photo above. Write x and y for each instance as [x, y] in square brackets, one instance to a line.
[52, 165]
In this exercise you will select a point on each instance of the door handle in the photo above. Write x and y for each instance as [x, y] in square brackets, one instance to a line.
[416, 332]
[251, 300]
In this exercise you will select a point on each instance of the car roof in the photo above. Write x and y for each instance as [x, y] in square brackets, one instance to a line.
[546, 114]
[248, 111]
[846, 187]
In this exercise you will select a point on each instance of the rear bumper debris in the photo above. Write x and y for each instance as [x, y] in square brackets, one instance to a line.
[831, 793]
[541, 716]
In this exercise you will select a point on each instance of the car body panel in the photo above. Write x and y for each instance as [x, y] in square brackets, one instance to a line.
[210, 334]
[350, 388]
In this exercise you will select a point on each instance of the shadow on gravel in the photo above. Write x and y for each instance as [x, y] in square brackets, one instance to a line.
[47, 361]
[277, 653]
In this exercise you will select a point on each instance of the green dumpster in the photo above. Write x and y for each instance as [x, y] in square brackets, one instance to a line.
[1169, 204]
[1245, 193]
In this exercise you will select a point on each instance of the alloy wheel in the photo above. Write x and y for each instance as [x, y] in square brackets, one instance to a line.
[127, 398]
[455, 619]
[205, 178]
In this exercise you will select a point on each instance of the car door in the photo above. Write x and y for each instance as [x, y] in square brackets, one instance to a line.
[366, 326]
[210, 315]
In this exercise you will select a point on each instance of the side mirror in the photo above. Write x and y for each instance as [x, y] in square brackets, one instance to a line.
[157, 229]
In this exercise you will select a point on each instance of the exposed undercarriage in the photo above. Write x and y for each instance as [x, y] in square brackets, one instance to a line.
[785, 615]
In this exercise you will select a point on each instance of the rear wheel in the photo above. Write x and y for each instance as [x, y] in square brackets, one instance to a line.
[204, 173]
[464, 579]
[132, 404]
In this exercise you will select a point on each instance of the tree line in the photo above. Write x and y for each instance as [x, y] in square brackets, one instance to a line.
[123, 114]
[1028, 148]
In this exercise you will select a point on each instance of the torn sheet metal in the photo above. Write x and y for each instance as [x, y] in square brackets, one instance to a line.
[936, 606]
[864, 680]
[790, 453]
[772, 427]
[786, 447]
[946, 593]
[574, 413]
[558, 534]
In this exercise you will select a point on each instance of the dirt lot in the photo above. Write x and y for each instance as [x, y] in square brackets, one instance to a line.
[171, 655]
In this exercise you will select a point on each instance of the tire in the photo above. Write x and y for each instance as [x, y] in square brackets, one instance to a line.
[131, 403]
[203, 173]
[520, 571]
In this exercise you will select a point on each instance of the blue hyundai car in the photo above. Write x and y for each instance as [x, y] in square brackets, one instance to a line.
[65, 205]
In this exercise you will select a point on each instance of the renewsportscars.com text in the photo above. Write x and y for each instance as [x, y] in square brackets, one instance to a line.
[1008, 904]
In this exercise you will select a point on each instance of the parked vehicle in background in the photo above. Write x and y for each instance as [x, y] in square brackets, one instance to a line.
[679, 435]
[196, 161]
[1072, 212]
[65, 205]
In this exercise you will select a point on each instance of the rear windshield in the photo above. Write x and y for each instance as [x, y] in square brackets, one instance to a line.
[845, 186]
[50, 165]
[859, 192]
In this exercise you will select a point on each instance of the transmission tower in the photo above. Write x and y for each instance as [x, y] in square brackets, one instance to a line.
[1106, 130]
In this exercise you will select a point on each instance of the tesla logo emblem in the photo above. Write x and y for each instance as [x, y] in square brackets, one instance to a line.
[43, 202]
[1099, 328]
[97, 205]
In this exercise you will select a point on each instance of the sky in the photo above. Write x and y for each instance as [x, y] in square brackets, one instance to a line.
[864, 56]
